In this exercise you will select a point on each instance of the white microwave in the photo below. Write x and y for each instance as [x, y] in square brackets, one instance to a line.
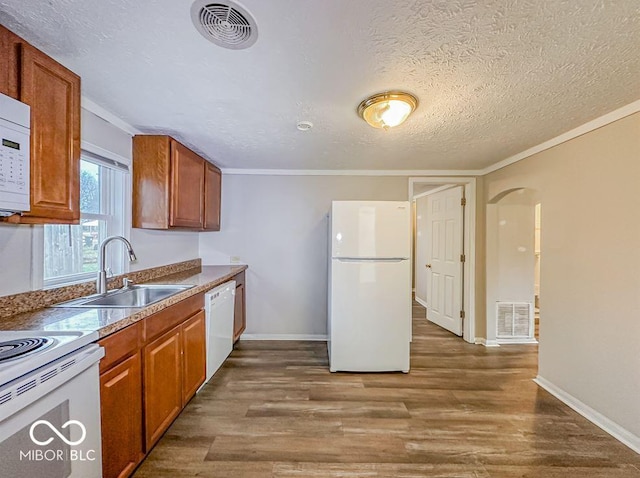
[15, 118]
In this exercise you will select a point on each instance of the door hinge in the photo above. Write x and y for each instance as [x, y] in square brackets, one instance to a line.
[462, 314]
[463, 201]
[463, 258]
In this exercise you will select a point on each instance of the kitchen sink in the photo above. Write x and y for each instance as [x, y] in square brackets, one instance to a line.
[132, 296]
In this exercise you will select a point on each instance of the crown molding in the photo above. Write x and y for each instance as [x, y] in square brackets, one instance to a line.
[592, 125]
[108, 116]
[352, 172]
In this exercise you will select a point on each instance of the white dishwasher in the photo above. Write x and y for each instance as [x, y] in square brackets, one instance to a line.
[219, 307]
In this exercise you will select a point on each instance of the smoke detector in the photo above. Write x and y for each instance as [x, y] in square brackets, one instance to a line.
[225, 23]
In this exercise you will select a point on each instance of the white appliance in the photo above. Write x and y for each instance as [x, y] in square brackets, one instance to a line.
[219, 307]
[50, 404]
[369, 310]
[14, 156]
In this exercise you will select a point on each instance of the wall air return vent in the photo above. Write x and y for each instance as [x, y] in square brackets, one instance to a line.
[515, 321]
[224, 23]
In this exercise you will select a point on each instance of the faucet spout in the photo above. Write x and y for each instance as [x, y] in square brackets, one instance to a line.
[101, 280]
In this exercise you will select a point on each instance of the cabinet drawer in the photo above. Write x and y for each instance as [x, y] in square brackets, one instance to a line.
[120, 345]
[168, 318]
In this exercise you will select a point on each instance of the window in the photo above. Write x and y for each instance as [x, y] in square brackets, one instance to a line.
[71, 251]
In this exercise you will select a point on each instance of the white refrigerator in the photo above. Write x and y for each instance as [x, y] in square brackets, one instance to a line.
[369, 309]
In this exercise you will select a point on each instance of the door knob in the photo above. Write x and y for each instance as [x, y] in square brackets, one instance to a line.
[428, 266]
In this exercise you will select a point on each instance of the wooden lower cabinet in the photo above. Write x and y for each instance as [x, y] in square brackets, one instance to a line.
[194, 355]
[239, 314]
[162, 384]
[150, 371]
[121, 414]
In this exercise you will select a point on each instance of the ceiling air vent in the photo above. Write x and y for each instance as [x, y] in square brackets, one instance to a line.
[226, 24]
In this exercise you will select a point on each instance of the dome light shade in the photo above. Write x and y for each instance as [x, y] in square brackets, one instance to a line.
[389, 109]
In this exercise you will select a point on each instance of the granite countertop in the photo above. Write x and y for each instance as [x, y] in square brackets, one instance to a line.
[108, 321]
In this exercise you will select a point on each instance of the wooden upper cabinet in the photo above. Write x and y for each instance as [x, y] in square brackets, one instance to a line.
[5, 55]
[9, 62]
[173, 187]
[212, 190]
[53, 93]
[187, 188]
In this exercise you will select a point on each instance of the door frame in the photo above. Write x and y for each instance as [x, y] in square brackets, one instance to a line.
[469, 237]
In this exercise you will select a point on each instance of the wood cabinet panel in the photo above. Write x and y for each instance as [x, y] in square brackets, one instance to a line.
[151, 181]
[194, 357]
[170, 317]
[187, 188]
[239, 317]
[9, 66]
[53, 92]
[119, 345]
[121, 415]
[173, 187]
[162, 384]
[212, 197]
[4, 53]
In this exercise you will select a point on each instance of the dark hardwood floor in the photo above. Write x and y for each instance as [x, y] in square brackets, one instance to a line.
[463, 411]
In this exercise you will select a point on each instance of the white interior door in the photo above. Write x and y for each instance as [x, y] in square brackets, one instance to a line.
[444, 269]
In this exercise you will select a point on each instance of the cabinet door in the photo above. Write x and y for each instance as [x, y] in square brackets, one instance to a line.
[53, 92]
[239, 321]
[212, 191]
[194, 358]
[187, 188]
[162, 384]
[121, 413]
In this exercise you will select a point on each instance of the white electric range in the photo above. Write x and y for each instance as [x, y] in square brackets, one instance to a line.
[50, 404]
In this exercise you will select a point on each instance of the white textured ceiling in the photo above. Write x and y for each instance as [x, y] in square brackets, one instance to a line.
[493, 77]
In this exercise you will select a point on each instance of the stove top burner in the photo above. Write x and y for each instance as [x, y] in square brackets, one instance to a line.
[11, 349]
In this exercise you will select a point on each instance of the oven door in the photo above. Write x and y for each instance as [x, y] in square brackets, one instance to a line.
[50, 419]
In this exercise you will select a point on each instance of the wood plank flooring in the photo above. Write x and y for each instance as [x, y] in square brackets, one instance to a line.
[464, 411]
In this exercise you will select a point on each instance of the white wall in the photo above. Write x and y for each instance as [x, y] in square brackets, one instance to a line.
[590, 279]
[278, 225]
[157, 248]
[15, 257]
[18, 244]
[514, 237]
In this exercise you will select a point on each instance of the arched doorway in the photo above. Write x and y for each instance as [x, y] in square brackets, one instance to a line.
[513, 265]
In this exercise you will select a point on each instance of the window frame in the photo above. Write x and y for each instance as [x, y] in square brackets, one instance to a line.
[115, 186]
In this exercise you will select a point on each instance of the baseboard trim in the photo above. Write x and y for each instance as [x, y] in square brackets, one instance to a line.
[517, 341]
[421, 302]
[485, 342]
[612, 428]
[305, 337]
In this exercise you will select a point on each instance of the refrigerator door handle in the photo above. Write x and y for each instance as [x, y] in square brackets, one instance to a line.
[371, 259]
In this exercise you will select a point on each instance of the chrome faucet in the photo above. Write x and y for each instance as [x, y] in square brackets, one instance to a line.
[101, 281]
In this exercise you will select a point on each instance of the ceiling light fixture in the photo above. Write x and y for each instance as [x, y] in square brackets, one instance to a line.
[388, 109]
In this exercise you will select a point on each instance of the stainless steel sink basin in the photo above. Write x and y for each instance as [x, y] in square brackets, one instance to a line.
[132, 296]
